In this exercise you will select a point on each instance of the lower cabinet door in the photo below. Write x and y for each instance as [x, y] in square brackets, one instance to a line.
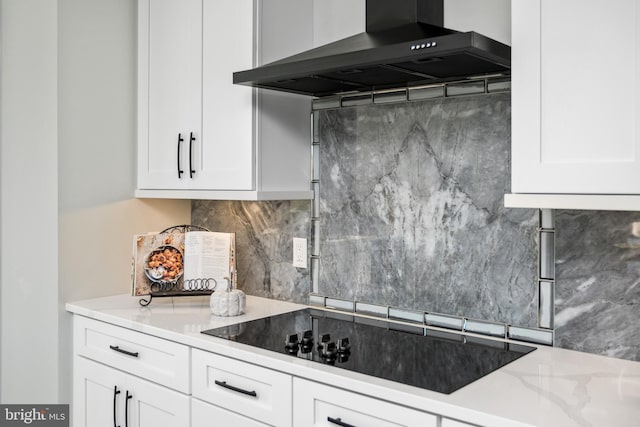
[317, 404]
[97, 394]
[206, 415]
[152, 405]
[104, 396]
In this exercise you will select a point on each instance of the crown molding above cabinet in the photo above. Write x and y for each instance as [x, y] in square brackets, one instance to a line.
[575, 98]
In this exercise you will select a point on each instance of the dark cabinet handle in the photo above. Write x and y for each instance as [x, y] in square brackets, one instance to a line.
[180, 171]
[191, 139]
[119, 350]
[236, 389]
[126, 409]
[116, 392]
[339, 422]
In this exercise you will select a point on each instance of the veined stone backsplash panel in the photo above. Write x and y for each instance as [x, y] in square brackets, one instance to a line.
[412, 214]
[598, 282]
[264, 234]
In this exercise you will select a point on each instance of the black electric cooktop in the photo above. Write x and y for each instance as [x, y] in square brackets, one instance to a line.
[413, 355]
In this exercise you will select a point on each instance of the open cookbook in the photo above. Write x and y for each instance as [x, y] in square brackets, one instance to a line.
[176, 260]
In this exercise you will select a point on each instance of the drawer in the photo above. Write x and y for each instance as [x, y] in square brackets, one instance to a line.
[321, 405]
[202, 414]
[155, 359]
[446, 422]
[250, 390]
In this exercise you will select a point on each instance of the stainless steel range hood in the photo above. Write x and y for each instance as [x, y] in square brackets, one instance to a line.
[404, 45]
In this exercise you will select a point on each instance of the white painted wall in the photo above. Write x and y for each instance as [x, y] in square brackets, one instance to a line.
[67, 151]
[491, 18]
[29, 202]
[336, 19]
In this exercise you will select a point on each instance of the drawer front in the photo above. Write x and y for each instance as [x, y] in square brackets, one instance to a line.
[155, 359]
[321, 405]
[446, 422]
[250, 390]
[203, 414]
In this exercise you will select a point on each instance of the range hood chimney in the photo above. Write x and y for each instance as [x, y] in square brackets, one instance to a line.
[405, 44]
[384, 15]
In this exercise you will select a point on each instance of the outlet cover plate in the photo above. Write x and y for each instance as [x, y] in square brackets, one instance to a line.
[299, 252]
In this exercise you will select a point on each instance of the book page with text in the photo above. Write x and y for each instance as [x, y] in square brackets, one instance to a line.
[208, 255]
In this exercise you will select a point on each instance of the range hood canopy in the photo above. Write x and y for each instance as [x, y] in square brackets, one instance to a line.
[405, 44]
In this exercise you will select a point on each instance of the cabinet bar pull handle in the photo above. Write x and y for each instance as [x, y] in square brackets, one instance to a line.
[191, 139]
[116, 392]
[339, 422]
[236, 389]
[119, 350]
[126, 409]
[180, 171]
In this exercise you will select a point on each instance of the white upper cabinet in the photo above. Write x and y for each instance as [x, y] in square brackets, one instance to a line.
[227, 161]
[199, 135]
[576, 96]
[170, 86]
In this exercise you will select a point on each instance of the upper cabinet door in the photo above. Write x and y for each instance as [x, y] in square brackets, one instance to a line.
[170, 86]
[195, 128]
[227, 154]
[575, 96]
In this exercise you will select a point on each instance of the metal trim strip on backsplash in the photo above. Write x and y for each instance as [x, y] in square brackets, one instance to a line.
[314, 256]
[546, 268]
[487, 85]
[413, 316]
[461, 325]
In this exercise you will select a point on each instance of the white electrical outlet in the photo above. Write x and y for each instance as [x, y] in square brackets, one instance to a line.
[299, 252]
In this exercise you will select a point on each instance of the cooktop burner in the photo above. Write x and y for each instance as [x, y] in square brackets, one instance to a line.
[413, 355]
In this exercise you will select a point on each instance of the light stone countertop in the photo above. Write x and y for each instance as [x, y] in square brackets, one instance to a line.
[548, 387]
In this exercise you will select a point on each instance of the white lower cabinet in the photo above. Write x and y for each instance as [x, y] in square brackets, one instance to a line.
[321, 405]
[207, 415]
[253, 391]
[105, 396]
[128, 379]
[446, 422]
[152, 358]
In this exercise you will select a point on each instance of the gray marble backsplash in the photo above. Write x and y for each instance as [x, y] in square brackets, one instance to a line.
[597, 306]
[411, 210]
[411, 216]
[264, 243]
